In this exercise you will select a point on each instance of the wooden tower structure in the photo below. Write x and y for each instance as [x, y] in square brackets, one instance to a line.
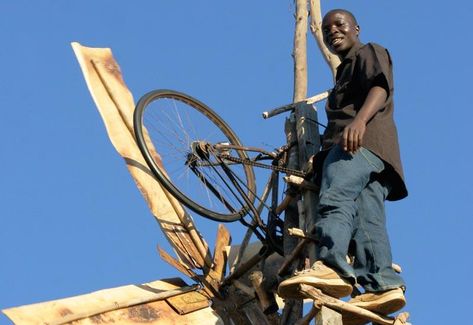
[249, 287]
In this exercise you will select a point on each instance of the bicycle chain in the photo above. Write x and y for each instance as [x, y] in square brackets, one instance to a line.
[250, 162]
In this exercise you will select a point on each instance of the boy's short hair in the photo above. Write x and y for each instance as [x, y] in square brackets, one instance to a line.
[344, 11]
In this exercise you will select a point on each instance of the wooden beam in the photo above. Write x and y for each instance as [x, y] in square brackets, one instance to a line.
[76, 308]
[223, 240]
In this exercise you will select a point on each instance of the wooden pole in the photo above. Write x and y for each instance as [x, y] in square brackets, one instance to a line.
[300, 51]
[293, 308]
[315, 27]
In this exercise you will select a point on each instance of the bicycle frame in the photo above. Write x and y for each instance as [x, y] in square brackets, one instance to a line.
[274, 224]
[267, 233]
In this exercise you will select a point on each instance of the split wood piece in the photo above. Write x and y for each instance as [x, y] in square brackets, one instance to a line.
[116, 105]
[178, 265]
[215, 275]
[301, 183]
[344, 307]
[209, 287]
[219, 264]
[76, 308]
[266, 299]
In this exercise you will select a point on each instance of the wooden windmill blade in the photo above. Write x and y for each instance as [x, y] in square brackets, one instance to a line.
[160, 302]
[115, 104]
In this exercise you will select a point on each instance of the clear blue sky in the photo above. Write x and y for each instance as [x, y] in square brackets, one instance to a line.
[72, 220]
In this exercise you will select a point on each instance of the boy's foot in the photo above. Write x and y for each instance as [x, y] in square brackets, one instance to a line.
[319, 276]
[384, 303]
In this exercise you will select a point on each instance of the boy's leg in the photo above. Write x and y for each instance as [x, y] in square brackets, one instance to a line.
[373, 259]
[344, 177]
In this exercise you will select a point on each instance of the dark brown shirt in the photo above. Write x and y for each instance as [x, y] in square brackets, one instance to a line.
[364, 67]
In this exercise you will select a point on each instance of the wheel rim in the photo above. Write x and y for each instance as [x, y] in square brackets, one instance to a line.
[176, 124]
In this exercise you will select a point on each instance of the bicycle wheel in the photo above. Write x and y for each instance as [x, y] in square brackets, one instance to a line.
[170, 127]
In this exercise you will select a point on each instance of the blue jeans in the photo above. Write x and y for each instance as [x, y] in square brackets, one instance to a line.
[351, 218]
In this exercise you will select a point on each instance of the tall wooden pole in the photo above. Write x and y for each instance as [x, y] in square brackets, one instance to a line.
[293, 308]
[300, 51]
[301, 127]
[316, 28]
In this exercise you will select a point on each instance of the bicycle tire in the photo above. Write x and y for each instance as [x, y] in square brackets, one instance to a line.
[157, 164]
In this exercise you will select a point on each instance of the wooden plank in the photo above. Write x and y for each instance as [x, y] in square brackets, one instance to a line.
[181, 267]
[220, 258]
[116, 105]
[213, 278]
[71, 309]
[155, 313]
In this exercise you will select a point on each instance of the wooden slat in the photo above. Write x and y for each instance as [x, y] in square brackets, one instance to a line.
[210, 286]
[71, 309]
[115, 104]
[155, 313]
[220, 259]
[181, 267]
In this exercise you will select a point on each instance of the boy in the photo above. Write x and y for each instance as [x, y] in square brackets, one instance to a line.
[361, 168]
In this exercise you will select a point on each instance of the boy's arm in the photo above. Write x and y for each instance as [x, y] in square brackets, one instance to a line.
[353, 133]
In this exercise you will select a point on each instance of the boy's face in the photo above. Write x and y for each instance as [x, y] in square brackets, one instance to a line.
[340, 32]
